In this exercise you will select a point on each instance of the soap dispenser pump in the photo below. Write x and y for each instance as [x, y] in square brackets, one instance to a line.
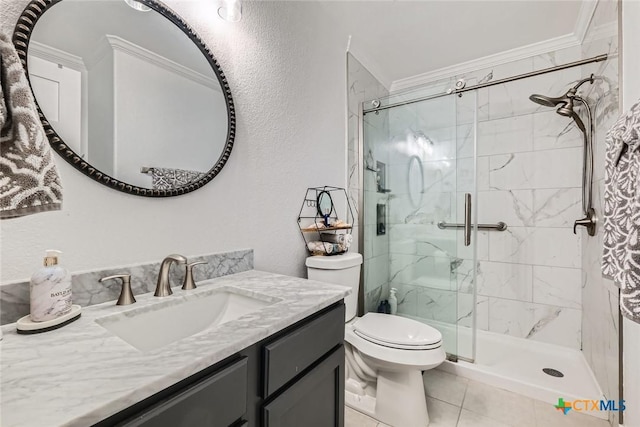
[50, 290]
[393, 301]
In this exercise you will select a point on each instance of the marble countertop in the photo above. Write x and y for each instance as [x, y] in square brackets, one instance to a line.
[80, 374]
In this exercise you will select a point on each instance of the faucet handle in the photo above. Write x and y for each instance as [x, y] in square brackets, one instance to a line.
[189, 283]
[126, 295]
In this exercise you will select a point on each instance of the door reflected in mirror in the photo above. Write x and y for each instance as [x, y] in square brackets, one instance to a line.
[130, 92]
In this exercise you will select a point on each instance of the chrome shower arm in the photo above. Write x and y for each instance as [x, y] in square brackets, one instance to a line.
[589, 79]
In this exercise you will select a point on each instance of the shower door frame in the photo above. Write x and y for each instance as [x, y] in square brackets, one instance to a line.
[472, 219]
[458, 91]
[462, 90]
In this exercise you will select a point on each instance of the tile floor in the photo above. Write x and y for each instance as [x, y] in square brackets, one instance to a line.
[454, 401]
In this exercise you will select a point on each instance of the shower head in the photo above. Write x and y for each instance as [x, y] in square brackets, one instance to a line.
[567, 110]
[565, 99]
[565, 102]
[547, 101]
[564, 111]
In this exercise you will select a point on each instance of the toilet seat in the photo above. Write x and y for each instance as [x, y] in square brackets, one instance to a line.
[400, 346]
[397, 332]
[390, 355]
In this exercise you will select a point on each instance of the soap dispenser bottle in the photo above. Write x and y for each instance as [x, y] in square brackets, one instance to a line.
[393, 301]
[50, 290]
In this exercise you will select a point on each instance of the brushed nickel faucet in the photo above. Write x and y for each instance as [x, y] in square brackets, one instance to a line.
[163, 288]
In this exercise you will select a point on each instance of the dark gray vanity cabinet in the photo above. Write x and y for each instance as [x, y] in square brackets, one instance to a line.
[217, 400]
[315, 400]
[300, 388]
[294, 378]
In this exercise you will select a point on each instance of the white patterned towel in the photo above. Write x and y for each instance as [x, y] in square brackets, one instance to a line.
[621, 253]
[29, 181]
[170, 179]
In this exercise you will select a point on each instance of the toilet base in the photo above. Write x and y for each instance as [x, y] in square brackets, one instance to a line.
[400, 400]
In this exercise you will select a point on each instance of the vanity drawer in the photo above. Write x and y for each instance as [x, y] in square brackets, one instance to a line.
[298, 349]
[218, 400]
[315, 400]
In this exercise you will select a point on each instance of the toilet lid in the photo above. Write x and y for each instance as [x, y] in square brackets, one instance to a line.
[396, 331]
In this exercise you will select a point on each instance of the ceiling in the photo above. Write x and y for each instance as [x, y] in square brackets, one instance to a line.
[394, 39]
[406, 38]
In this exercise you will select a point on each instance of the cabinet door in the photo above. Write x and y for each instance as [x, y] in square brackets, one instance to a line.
[218, 400]
[316, 400]
[288, 356]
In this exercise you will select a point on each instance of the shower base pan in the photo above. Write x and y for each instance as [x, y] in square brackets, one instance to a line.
[516, 365]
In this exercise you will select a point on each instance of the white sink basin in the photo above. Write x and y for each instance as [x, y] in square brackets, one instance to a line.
[151, 327]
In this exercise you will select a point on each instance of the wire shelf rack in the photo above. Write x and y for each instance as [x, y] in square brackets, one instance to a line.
[326, 221]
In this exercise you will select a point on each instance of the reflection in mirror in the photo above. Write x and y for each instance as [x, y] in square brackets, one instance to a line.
[415, 181]
[130, 93]
[137, 5]
[325, 205]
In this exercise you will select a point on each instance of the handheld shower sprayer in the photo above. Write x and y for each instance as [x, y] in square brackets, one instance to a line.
[566, 107]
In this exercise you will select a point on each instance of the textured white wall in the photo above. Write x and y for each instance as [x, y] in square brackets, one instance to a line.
[286, 70]
[631, 95]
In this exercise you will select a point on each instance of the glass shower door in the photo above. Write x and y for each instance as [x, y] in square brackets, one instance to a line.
[465, 266]
[415, 182]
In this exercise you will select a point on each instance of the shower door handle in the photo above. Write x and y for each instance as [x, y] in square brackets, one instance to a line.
[467, 219]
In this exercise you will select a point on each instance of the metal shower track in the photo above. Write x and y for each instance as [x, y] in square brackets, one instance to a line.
[598, 58]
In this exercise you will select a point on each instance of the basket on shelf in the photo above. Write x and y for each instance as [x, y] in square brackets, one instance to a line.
[326, 221]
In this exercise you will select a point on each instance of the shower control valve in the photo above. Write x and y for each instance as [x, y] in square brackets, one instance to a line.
[589, 221]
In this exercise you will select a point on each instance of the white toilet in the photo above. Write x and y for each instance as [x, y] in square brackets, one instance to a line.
[385, 355]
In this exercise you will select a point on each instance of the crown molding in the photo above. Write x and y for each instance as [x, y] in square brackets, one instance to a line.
[51, 54]
[110, 43]
[101, 50]
[132, 49]
[489, 61]
[585, 15]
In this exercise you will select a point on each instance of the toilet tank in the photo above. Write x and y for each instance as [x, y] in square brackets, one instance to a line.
[341, 270]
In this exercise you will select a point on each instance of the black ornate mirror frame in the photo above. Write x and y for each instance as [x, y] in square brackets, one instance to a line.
[24, 27]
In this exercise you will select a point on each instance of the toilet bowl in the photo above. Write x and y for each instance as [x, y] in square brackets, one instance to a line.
[385, 354]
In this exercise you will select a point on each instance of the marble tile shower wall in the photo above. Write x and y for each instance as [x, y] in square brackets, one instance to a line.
[14, 297]
[376, 249]
[529, 168]
[363, 86]
[600, 327]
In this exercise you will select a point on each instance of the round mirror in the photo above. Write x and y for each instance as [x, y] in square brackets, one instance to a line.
[128, 95]
[415, 181]
[325, 203]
